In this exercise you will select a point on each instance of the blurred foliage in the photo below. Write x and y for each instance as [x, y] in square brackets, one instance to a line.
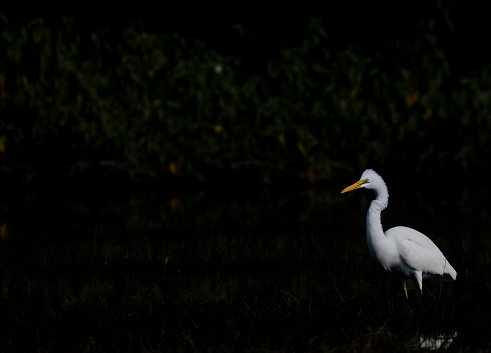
[150, 104]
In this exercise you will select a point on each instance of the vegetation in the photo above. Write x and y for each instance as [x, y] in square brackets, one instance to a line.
[248, 273]
[131, 101]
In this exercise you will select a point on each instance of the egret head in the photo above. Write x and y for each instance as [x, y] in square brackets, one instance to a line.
[369, 180]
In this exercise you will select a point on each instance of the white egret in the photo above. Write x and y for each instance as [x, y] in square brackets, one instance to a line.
[402, 250]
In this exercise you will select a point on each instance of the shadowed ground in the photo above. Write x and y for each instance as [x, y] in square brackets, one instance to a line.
[264, 271]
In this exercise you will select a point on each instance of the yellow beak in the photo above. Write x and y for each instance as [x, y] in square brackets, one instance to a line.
[355, 186]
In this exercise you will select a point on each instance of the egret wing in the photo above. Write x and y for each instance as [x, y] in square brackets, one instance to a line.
[417, 250]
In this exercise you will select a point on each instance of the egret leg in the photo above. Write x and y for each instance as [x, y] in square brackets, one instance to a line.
[403, 282]
[419, 278]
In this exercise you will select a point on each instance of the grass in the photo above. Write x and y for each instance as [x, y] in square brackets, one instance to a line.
[247, 301]
[130, 282]
[247, 323]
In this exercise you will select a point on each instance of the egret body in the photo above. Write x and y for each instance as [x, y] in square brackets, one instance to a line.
[401, 250]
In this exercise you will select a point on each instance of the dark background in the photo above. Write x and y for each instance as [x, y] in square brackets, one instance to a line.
[129, 96]
[170, 176]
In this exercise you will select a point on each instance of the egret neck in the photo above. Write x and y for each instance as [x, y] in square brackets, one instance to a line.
[375, 232]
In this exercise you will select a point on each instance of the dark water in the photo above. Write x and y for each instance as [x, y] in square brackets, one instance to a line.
[269, 269]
